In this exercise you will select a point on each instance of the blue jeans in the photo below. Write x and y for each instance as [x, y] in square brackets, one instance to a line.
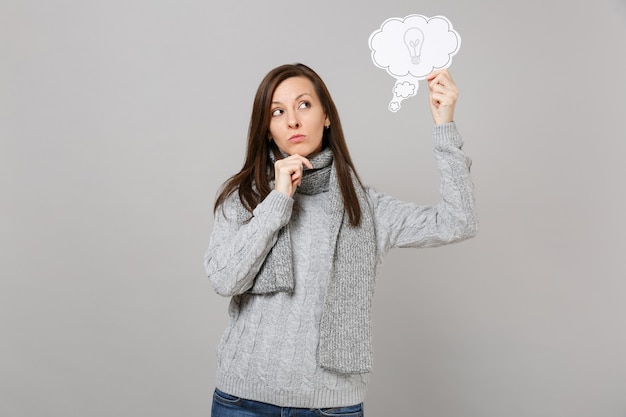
[226, 405]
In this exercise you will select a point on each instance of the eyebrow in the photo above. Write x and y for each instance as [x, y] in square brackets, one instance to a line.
[296, 99]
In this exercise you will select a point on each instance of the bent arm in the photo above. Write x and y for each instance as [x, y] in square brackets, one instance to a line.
[403, 224]
[237, 249]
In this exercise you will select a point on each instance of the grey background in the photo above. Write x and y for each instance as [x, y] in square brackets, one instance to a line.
[120, 119]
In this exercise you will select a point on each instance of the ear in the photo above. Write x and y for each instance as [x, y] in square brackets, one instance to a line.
[326, 122]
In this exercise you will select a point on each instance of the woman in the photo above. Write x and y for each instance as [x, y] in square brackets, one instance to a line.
[296, 242]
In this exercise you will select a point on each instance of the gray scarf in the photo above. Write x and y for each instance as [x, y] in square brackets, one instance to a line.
[345, 329]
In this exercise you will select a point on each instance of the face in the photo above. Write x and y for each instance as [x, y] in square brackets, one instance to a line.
[298, 119]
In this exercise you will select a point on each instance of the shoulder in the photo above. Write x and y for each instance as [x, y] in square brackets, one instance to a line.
[232, 208]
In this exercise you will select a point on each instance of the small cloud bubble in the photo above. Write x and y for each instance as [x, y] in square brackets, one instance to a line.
[404, 89]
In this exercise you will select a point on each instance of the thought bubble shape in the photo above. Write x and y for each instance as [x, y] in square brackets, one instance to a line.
[411, 48]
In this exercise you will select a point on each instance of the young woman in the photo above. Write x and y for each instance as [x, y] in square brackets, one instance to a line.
[296, 242]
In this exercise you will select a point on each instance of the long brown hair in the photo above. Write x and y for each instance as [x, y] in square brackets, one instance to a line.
[253, 181]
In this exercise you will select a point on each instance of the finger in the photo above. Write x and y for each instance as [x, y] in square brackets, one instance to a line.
[443, 78]
[440, 83]
[296, 171]
[439, 99]
[303, 161]
[444, 92]
[438, 88]
[289, 164]
[443, 86]
[435, 74]
[296, 178]
[293, 161]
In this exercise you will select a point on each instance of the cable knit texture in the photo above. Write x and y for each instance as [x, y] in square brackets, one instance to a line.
[271, 350]
[345, 329]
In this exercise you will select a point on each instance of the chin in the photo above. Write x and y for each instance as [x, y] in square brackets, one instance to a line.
[302, 151]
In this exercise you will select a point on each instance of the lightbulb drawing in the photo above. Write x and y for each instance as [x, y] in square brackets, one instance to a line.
[414, 39]
[390, 43]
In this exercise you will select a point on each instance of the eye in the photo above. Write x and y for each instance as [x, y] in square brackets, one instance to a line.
[276, 112]
[304, 105]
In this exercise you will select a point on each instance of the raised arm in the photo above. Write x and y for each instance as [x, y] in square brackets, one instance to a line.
[406, 224]
[402, 224]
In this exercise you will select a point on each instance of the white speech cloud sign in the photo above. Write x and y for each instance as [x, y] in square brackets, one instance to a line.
[411, 48]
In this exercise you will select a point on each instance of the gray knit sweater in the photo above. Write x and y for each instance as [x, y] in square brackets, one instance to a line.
[268, 352]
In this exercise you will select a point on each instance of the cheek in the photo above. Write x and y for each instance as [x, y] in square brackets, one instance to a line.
[321, 126]
[273, 131]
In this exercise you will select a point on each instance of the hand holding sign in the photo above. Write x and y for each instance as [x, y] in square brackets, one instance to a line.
[412, 48]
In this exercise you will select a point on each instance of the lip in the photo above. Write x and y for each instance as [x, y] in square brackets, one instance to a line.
[297, 138]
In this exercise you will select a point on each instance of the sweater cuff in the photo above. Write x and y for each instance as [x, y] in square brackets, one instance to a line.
[278, 204]
[446, 135]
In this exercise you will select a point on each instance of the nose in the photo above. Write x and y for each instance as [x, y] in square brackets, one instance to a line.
[294, 123]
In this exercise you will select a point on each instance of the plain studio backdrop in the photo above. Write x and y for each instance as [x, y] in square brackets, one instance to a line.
[119, 120]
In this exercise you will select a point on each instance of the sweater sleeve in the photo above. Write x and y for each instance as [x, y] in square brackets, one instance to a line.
[237, 250]
[405, 224]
